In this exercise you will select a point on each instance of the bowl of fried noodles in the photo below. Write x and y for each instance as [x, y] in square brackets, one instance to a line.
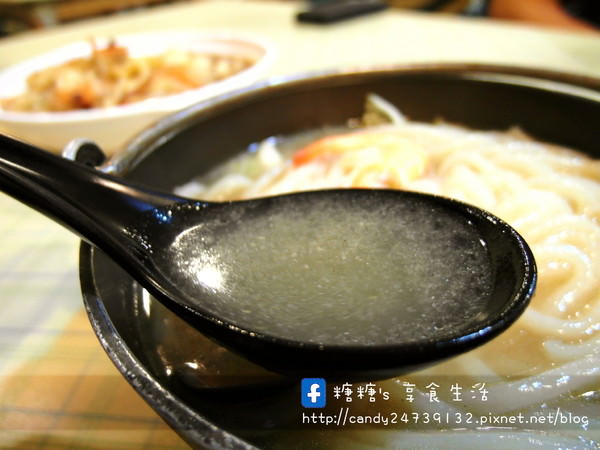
[520, 143]
[108, 89]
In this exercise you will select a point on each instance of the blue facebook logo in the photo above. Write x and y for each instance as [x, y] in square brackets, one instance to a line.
[313, 392]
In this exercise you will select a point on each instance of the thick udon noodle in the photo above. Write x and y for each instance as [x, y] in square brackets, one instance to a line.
[551, 357]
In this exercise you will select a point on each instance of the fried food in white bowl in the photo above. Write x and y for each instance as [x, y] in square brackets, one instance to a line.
[109, 89]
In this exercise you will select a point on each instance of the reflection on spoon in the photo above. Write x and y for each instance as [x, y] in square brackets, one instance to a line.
[360, 283]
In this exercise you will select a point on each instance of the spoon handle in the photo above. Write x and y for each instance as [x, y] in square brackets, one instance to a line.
[98, 207]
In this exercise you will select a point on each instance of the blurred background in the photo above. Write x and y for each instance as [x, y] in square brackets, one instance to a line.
[17, 16]
[22, 15]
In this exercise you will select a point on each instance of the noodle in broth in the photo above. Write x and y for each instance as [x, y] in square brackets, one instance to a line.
[550, 358]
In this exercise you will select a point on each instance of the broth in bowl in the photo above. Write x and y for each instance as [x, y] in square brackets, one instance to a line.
[544, 367]
[525, 388]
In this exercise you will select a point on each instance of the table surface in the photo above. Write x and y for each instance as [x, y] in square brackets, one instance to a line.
[57, 387]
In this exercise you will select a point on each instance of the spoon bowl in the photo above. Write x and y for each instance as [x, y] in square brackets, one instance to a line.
[187, 254]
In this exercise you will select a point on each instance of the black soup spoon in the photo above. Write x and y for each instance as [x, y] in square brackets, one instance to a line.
[352, 283]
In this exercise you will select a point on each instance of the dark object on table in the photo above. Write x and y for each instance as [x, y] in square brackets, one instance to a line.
[335, 10]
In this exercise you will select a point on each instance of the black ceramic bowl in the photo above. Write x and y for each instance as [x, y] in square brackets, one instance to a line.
[553, 107]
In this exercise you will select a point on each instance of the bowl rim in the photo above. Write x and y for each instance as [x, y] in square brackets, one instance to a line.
[190, 425]
[174, 411]
[167, 38]
[543, 79]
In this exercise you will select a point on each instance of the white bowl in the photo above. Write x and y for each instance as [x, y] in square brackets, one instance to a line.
[113, 127]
